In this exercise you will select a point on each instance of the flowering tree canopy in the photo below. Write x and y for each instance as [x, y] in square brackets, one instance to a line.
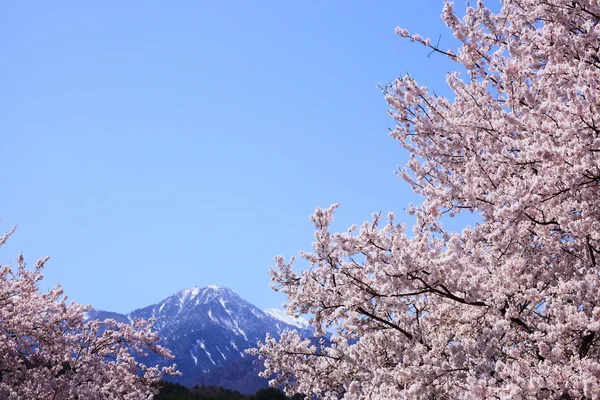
[509, 308]
[49, 351]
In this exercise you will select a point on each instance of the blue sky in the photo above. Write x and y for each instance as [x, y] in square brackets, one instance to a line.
[149, 147]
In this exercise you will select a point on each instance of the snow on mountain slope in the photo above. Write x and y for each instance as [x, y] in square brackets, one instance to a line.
[282, 316]
[208, 327]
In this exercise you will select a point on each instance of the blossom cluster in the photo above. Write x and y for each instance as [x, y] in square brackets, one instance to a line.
[508, 308]
[49, 351]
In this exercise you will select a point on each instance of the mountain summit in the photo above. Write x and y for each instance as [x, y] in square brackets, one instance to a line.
[208, 327]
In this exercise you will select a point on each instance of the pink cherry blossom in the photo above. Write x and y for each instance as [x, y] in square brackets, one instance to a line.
[507, 308]
[49, 351]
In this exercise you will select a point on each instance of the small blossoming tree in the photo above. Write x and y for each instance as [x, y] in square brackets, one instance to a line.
[49, 351]
[509, 308]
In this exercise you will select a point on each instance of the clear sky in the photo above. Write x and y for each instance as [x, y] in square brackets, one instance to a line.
[152, 146]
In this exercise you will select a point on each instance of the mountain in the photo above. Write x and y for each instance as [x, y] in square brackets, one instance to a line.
[282, 316]
[207, 328]
[240, 375]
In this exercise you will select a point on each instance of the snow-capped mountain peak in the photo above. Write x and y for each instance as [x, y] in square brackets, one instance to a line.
[187, 294]
[282, 316]
[208, 327]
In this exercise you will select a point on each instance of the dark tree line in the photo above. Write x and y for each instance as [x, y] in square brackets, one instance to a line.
[174, 391]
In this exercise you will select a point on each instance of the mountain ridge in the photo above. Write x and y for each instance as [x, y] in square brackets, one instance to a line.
[207, 328]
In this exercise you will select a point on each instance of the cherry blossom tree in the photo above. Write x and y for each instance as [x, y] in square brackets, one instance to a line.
[509, 308]
[49, 351]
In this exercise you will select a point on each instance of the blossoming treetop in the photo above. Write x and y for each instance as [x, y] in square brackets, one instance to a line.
[49, 351]
[509, 308]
